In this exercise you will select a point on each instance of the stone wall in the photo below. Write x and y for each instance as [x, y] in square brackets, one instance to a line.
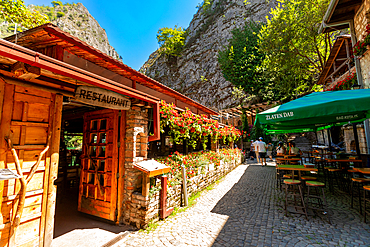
[361, 19]
[206, 176]
[349, 138]
[134, 204]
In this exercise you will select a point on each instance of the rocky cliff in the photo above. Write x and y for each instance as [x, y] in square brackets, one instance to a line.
[196, 72]
[74, 19]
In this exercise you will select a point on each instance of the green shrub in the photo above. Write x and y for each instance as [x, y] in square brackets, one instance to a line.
[171, 40]
[60, 14]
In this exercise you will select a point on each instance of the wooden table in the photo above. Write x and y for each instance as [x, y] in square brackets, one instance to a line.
[288, 159]
[363, 170]
[340, 161]
[298, 168]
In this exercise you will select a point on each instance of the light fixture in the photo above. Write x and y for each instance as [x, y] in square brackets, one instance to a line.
[147, 105]
[138, 103]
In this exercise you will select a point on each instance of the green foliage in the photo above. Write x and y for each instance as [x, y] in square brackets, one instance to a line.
[296, 53]
[205, 6]
[73, 142]
[60, 14]
[56, 3]
[171, 40]
[15, 11]
[241, 61]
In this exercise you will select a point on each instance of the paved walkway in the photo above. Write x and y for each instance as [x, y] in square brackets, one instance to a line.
[245, 209]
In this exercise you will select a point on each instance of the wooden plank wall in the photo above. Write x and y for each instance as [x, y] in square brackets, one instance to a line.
[27, 118]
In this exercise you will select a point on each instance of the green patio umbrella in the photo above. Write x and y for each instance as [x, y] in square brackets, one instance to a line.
[317, 111]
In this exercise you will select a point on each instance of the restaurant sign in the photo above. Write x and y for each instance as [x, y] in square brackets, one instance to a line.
[279, 115]
[101, 97]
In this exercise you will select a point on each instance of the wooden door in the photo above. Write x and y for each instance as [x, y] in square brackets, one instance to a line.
[98, 182]
[28, 120]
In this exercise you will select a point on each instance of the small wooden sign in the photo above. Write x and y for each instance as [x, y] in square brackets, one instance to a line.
[152, 167]
[101, 97]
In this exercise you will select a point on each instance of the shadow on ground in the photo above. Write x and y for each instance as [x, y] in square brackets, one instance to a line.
[67, 218]
[256, 217]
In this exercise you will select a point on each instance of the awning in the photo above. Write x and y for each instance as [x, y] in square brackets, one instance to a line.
[317, 111]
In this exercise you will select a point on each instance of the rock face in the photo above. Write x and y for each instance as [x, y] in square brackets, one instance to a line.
[76, 20]
[196, 73]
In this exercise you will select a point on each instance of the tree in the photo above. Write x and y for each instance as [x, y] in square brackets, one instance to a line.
[56, 3]
[15, 11]
[296, 52]
[241, 62]
[171, 40]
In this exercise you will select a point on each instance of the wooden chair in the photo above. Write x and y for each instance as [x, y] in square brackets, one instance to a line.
[359, 183]
[366, 191]
[321, 200]
[294, 194]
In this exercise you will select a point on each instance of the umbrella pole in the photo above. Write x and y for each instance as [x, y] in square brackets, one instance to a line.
[356, 140]
[317, 140]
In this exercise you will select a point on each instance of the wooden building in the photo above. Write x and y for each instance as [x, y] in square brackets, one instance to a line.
[352, 15]
[52, 83]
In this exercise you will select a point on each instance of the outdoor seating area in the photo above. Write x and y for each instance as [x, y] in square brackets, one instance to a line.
[321, 167]
[326, 174]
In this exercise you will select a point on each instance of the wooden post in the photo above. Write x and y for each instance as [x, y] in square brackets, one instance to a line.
[121, 167]
[145, 185]
[54, 153]
[163, 212]
[184, 187]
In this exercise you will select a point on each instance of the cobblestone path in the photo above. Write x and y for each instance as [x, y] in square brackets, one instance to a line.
[245, 209]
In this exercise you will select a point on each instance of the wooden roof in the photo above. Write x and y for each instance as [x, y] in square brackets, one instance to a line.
[48, 35]
[250, 109]
[338, 12]
[336, 63]
[253, 109]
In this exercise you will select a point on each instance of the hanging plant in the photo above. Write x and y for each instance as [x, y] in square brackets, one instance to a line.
[361, 46]
[345, 84]
[194, 128]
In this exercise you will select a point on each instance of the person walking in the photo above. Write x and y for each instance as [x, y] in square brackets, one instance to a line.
[270, 147]
[252, 150]
[261, 150]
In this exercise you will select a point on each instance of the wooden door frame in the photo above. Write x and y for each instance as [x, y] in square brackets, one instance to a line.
[121, 166]
[53, 170]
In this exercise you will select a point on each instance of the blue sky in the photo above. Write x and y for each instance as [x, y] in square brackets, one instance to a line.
[132, 25]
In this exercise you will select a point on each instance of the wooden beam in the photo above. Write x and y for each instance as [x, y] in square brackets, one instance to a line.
[335, 71]
[53, 170]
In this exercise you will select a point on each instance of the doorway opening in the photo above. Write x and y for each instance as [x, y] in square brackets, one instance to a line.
[87, 181]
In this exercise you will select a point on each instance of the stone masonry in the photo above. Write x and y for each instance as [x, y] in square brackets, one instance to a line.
[361, 20]
[205, 177]
[135, 205]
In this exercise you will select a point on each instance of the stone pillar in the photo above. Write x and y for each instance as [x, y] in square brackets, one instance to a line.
[134, 206]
